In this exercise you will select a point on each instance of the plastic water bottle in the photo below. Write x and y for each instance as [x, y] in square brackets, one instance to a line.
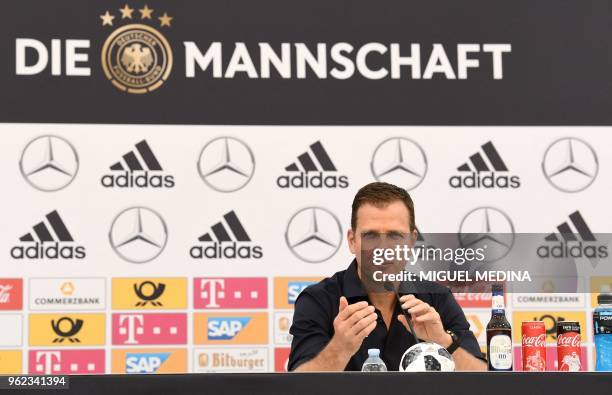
[602, 327]
[374, 363]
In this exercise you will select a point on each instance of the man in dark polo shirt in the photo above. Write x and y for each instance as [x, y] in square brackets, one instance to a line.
[337, 320]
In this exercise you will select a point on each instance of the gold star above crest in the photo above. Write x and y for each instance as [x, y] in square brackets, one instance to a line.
[126, 12]
[145, 13]
[107, 19]
[165, 20]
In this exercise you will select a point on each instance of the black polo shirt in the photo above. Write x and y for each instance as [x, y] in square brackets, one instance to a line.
[317, 306]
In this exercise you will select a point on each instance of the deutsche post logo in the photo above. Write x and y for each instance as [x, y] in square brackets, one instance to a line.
[136, 57]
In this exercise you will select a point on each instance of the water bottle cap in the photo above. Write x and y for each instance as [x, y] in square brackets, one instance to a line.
[373, 352]
[604, 299]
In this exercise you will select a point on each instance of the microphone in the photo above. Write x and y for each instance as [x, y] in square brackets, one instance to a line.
[389, 287]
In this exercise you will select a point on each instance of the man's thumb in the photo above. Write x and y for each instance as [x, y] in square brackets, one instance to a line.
[343, 303]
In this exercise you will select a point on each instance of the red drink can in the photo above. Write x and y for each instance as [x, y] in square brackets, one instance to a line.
[534, 346]
[568, 346]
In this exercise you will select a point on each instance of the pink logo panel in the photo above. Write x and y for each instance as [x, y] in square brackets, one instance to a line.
[49, 362]
[149, 329]
[231, 293]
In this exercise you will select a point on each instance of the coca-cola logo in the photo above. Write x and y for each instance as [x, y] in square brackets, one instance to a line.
[534, 341]
[5, 295]
[569, 340]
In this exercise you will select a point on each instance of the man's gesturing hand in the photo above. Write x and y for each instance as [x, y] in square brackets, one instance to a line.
[425, 319]
[352, 324]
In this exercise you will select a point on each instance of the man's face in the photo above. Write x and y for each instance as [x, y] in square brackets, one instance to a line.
[391, 221]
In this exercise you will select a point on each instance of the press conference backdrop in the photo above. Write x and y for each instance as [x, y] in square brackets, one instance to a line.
[175, 173]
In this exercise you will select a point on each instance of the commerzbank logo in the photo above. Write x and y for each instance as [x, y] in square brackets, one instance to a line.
[136, 57]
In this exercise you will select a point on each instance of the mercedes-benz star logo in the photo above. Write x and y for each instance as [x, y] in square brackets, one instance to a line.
[226, 164]
[313, 234]
[49, 163]
[489, 228]
[399, 161]
[570, 164]
[138, 234]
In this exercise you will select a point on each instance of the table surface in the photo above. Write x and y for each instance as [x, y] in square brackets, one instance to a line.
[339, 383]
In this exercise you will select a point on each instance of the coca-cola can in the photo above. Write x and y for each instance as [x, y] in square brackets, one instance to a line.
[568, 346]
[534, 346]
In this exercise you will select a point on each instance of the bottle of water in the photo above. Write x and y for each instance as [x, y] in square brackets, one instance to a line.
[602, 328]
[374, 363]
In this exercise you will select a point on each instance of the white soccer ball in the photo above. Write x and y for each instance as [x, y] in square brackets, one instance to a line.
[427, 357]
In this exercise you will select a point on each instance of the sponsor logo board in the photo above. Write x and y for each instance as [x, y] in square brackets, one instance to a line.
[48, 294]
[149, 293]
[11, 294]
[53, 362]
[287, 289]
[227, 360]
[67, 329]
[149, 328]
[230, 293]
[149, 360]
[231, 328]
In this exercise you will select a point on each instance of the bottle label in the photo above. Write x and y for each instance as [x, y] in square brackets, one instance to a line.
[498, 302]
[500, 352]
[602, 322]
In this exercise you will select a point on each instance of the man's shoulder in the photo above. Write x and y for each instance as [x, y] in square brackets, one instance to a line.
[329, 287]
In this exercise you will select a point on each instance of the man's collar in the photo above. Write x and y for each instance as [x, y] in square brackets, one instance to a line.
[353, 289]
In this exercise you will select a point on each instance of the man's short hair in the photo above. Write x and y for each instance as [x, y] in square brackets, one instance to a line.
[381, 194]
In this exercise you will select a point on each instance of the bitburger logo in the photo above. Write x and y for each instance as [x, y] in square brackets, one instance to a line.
[48, 240]
[136, 57]
[138, 169]
[481, 173]
[570, 244]
[306, 173]
[221, 245]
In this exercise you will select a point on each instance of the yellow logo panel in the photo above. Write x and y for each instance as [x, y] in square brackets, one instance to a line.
[599, 285]
[10, 362]
[149, 293]
[66, 330]
[550, 318]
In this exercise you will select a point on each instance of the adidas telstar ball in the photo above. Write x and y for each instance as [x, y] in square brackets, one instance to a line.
[427, 357]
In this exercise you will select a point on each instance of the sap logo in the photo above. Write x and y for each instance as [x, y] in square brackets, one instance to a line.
[294, 288]
[144, 362]
[226, 328]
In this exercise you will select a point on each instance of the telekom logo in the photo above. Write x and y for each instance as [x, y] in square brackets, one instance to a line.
[210, 289]
[566, 340]
[534, 341]
[231, 293]
[5, 295]
[45, 361]
[134, 326]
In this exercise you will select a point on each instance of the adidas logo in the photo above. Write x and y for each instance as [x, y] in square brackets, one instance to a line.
[481, 173]
[138, 169]
[309, 171]
[570, 244]
[221, 244]
[48, 241]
